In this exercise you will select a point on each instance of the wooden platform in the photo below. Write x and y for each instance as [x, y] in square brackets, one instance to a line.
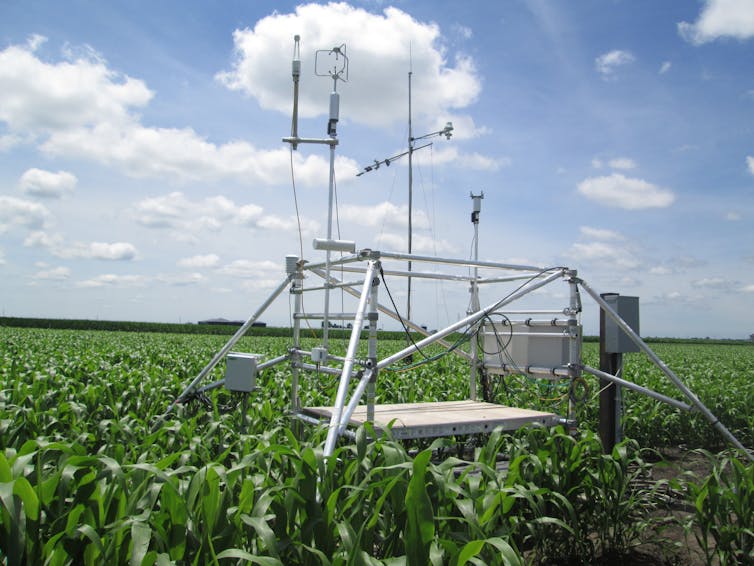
[445, 418]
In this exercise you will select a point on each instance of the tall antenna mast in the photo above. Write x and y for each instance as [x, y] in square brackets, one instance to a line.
[331, 63]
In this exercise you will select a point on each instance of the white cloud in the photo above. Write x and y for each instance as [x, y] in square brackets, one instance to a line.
[733, 216]
[116, 251]
[41, 183]
[607, 63]
[197, 261]
[748, 288]
[597, 163]
[20, 212]
[713, 283]
[82, 109]
[750, 163]
[181, 279]
[245, 268]
[661, 270]
[54, 274]
[720, 18]
[619, 191]
[383, 214]
[665, 67]
[622, 163]
[419, 244]
[184, 216]
[2, 257]
[42, 97]
[600, 233]
[605, 254]
[377, 46]
[112, 280]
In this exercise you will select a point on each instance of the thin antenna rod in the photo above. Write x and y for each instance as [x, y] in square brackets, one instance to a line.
[296, 72]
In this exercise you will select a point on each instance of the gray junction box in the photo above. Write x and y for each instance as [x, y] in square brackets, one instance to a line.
[617, 341]
[241, 372]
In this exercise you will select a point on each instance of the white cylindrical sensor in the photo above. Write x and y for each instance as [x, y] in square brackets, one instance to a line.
[334, 245]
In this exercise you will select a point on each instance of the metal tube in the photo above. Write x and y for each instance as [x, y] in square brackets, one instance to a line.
[639, 388]
[345, 376]
[451, 261]
[354, 401]
[225, 349]
[297, 140]
[389, 312]
[636, 339]
[469, 319]
[319, 368]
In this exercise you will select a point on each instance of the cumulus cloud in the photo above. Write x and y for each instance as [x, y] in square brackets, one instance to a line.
[183, 216]
[665, 67]
[197, 261]
[419, 244]
[605, 254]
[378, 50]
[719, 283]
[600, 233]
[46, 184]
[53, 274]
[607, 63]
[622, 163]
[720, 18]
[748, 288]
[55, 243]
[619, 191]
[21, 212]
[113, 280]
[78, 107]
[245, 268]
[750, 163]
[383, 214]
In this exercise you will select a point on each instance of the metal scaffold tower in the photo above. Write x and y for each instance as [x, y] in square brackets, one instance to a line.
[544, 344]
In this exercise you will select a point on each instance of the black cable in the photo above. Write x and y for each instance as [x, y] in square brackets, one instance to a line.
[400, 318]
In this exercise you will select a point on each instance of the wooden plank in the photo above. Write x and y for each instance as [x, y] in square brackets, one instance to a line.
[443, 418]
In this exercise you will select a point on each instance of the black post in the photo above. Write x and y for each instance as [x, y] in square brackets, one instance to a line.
[610, 363]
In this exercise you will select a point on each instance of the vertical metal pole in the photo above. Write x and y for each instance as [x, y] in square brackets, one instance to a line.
[609, 363]
[345, 376]
[372, 347]
[474, 305]
[326, 319]
[410, 194]
[574, 347]
[297, 291]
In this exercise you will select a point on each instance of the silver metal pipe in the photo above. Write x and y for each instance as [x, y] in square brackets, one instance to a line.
[272, 362]
[552, 372]
[417, 274]
[320, 368]
[297, 140]
[559, 322]
[630, 385]
[354, 401]
[225, 349]
[332, 315]
[333, 285]
[452, 261]
[345, 376]
[336, 263]
[486, 280]
[470, 319]
[392, 314]
[636, 339]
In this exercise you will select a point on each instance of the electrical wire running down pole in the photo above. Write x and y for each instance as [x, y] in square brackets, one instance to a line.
[447, 131]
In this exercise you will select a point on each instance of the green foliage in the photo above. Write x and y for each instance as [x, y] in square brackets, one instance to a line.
[84, 480]
[724, 511]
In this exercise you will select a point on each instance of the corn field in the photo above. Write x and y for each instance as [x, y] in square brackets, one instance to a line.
[86, 478]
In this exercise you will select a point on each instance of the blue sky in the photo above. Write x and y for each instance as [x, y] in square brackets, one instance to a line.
[143, 177]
